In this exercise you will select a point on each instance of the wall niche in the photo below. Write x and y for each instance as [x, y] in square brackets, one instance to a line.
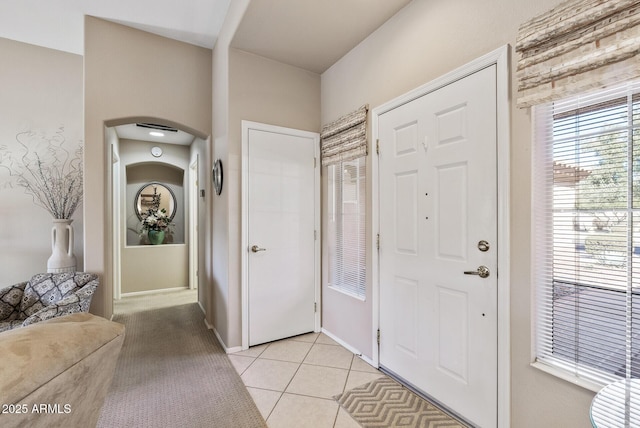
[144, 176]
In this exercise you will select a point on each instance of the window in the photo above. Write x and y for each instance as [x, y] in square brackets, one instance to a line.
[587, 234]
[346, 235]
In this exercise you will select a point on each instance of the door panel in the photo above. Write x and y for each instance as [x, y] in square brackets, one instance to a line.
[451, 219]
[453, 333]
[406, 212]
[438, 199]
[281, 222]
[406, 316]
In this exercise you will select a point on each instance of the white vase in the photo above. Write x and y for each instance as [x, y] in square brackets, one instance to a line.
[62, 258]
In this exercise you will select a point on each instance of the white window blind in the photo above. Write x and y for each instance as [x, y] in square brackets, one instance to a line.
[347, 227]
[587, 234]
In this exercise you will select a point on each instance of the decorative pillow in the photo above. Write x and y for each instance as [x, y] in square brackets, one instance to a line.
[10, 299]
[74, 303]
[46, 289]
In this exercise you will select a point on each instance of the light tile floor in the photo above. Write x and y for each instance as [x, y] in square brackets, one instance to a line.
[293, 381]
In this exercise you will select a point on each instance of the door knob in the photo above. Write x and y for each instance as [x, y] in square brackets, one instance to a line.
[482, 271]
[255, 249]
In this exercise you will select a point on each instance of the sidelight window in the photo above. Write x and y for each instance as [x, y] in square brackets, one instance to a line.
[587, 235]
[347, 233]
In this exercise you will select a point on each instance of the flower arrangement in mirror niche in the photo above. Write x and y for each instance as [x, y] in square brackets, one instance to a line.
[156, 221]
[49, 172]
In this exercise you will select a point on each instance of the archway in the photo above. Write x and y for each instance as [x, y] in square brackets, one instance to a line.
[138, 160]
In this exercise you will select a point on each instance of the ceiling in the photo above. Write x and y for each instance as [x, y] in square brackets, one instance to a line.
[59, 24]
[310, 34]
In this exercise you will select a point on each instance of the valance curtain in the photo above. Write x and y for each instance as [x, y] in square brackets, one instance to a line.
[578, 46]
[345, 138]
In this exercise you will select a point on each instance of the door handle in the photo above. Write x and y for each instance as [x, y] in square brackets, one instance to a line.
[482, 271]
[255, 249]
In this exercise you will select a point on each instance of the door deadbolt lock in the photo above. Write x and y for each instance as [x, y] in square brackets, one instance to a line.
[482, 272]
[483, 246]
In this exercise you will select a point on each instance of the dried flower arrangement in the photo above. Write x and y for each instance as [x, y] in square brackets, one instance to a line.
[47, 171]
[156, 218]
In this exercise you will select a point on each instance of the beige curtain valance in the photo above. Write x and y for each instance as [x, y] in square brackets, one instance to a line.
[345, 138]
[578, 46]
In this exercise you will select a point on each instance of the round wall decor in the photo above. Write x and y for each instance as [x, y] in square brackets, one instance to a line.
[217, 176]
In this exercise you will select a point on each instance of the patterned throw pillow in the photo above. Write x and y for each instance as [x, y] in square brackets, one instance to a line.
[76, 302]
[10, 299]
[46, 289]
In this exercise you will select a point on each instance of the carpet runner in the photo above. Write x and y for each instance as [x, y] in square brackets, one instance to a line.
[172, 372]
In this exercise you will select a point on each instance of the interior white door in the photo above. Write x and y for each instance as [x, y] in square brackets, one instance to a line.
[438, 230]
[281, 235]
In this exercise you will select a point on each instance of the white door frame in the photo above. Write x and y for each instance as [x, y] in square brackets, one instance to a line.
[244, 245]
[193, 223]
[116, 224]
[499, 57]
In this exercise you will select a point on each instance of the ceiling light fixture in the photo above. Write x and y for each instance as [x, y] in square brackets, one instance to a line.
[156, 133]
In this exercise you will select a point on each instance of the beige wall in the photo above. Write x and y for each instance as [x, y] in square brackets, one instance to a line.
[426, 40]
[41, 89]
[130, 73]
[154, 268]
[267, 91]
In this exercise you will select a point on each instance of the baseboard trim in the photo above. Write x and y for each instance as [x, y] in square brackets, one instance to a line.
[350, 348]
[344, 344]
[220, 341]
[158, 291]
[209, 326]
[233, 350]
[368, 361]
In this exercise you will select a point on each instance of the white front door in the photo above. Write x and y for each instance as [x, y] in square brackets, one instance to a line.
[438, 230]
[282, 207]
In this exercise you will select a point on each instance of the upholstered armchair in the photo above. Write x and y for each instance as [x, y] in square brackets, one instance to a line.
[44, 296]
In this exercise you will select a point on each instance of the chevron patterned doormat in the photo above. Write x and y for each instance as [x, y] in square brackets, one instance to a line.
[385, 403]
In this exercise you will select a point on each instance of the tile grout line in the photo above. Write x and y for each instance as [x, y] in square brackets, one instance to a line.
[247, 387]
[300, 364]
[349, 370]
[290, 380]
[346, 379]
[250, 364]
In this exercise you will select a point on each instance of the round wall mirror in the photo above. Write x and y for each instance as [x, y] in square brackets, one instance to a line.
[217, 176]
[155, 194]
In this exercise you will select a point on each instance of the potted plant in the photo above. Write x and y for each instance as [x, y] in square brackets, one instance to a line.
[155, 222]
